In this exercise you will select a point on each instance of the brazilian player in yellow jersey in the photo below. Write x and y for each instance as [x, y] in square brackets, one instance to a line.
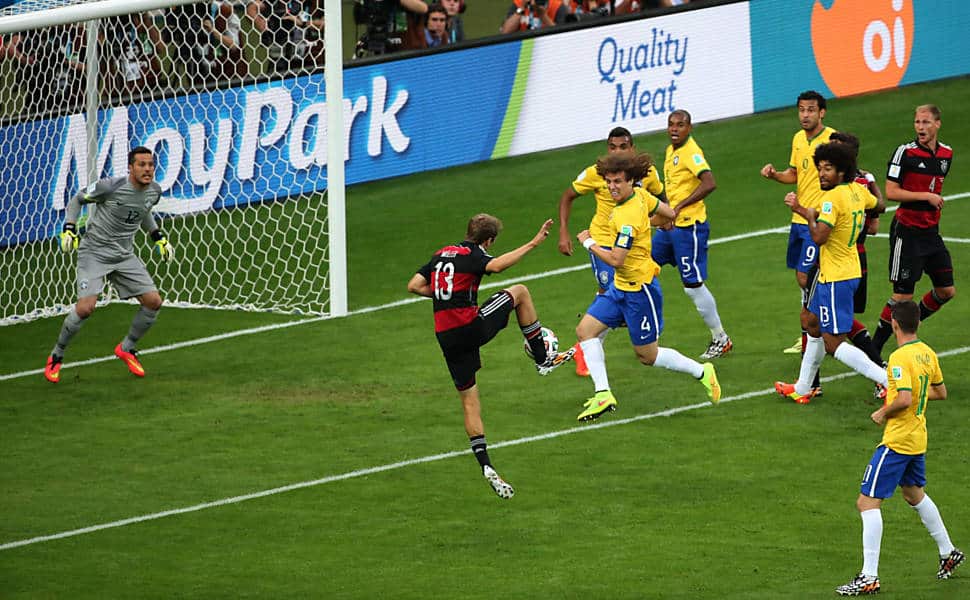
[688, 181]
[900, 459]
[829, 314]
[802, 252]
[590, 182]
[634, 298]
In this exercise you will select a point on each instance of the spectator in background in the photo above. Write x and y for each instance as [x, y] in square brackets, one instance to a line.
[291, 31]
[428, 30]
[525, 15]
[183, 28]
[223, 53]
[50, 67]
[456, 26]
[130, 55]
[625, 7]
[584, 9]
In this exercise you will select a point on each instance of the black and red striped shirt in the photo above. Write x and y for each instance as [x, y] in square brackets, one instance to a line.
[863, 179]
[916, 168]
[455, 273]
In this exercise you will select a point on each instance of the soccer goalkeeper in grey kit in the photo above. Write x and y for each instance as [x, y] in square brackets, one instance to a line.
[123, 205]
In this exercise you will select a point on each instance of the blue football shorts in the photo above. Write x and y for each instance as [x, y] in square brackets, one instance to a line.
[802, 251]
[889, 469]
[642, 311]
[602, 271]
[685, 248]
[834, 305]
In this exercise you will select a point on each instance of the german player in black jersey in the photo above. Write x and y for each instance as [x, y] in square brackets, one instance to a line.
[915, 180]
[451, 279]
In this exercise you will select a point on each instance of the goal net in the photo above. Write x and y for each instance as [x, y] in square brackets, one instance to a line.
[229, 95]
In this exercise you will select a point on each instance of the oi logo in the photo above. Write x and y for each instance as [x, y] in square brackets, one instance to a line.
[862, 46]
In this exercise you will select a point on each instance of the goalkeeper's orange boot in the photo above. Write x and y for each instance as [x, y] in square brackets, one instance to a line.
[53, 369]
[131, 361]
[581, 369]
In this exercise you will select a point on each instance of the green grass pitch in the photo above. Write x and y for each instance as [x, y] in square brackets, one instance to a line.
[752, 499]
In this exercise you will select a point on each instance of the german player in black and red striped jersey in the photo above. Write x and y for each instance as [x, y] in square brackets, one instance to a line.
[451, 279]
[915, 180]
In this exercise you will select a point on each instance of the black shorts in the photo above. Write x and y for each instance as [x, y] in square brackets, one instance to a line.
[913, 252]
[859, 301]
[460, 345]
[809, 289]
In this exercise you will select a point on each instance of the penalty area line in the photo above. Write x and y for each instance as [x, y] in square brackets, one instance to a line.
[409, 463]
[361, 311]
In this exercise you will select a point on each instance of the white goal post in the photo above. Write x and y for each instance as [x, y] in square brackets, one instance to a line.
[235, 104]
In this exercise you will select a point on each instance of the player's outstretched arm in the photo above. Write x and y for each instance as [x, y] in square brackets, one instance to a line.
[500, 263]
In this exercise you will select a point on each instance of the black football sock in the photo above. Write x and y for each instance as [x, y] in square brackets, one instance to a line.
[479, 448]
[863, 342]
[533, 335]
[884, 330]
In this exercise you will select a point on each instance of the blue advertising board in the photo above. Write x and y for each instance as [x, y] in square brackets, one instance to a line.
[268, 140]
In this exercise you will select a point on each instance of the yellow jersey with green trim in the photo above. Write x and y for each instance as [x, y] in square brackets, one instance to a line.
[843, 208]
[913, 367]
[630, 229]
[682, 170]
[803, 161]
[590, 181]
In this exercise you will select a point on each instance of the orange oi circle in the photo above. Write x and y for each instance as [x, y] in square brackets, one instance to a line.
[862, 46]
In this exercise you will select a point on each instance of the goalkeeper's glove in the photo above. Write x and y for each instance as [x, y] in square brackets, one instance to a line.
[163, 248]
[69, 238]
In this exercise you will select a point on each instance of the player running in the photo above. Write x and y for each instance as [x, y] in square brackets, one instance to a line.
[634, 297]
[590, 182]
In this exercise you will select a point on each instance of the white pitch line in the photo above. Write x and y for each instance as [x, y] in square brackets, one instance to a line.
[360, 311]
[498, 284]
[409, 463]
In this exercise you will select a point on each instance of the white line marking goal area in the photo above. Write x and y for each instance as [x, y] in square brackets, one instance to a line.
[360, 311]
[408, 463]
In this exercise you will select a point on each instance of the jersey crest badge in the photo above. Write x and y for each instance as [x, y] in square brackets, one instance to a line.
[944, 165]
[676, 160]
